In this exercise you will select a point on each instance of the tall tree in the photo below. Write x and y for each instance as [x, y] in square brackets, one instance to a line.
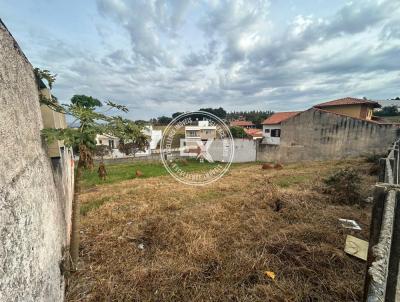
[86, 113]
[219, 112]
[387, 111]
[238, 132]
[164, 120]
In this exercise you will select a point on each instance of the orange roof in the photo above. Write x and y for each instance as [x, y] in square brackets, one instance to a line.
[242, 123]
[348, 101]
[279, 117]
[254, 132]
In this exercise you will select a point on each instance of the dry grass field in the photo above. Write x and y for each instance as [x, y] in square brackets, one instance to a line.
[154, 239]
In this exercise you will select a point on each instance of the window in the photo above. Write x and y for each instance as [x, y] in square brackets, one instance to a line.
[266, 130]
[100, 142]
[276, 133]
[191, 133]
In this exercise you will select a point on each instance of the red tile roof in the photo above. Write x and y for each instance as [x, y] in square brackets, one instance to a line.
[374, 120]
[254, 132]
[241, 123]
[348, 101]
[279, 117]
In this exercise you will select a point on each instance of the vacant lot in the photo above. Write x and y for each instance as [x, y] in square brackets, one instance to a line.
[154, 239]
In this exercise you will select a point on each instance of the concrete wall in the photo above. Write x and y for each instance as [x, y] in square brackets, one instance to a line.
[33, 220]
[245, 150]
[52, 119]
[319, 135]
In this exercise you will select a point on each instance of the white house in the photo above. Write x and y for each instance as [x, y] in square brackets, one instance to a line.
[202, 131]
[154, 138]
[272, 127]
[112, 141]
[107, 140]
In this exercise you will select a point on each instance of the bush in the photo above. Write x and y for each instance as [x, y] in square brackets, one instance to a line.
[344, 186]
[238, 132]
[373, 159]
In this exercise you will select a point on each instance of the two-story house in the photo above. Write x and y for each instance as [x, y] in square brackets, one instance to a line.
[202, 131]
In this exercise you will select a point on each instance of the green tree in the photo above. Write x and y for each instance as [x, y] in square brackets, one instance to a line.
[238, 132]
[164, 120]
[102, 150]
[219, 112]
[45, 75]
[174, 115]
[255, 116]
[388, 111]
[85, 111]
[130, 135]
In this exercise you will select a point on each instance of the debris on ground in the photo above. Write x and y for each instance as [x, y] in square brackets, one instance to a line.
[270, 275]
[356, 247]
[267, 166]
[349, 224]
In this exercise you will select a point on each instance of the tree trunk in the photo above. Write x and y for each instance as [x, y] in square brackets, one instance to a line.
[75, 219]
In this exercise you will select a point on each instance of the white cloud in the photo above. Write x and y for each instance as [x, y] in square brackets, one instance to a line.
[164, 56]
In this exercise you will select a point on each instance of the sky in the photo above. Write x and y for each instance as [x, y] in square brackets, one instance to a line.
[163, 56]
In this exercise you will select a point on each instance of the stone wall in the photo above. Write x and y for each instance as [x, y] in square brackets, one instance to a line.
[320, 135]
[33, 219]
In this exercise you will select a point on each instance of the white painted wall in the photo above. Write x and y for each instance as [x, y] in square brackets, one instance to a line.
[268, 139]
[245, 150]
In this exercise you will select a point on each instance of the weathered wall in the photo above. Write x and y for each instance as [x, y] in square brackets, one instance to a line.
[32, 212]
[245, 150]
[319, 135]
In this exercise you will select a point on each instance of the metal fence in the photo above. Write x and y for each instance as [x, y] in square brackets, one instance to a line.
[381, 282]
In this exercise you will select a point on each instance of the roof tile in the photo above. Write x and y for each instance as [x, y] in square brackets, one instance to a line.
[241, 123]
[279, 117]
[347, 101]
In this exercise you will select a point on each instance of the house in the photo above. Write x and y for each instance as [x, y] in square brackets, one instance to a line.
[353, 107]
[255, 134]
[332, 130]
[107, 140]
[243, 124]
[195, 134]
[154, 135]
[202, 131]
[272, 126]
[113, 142]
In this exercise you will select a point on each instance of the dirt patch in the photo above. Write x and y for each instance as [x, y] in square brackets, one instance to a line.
[158, 240]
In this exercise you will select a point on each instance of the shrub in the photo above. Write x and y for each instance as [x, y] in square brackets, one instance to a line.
[344, 186]
[373, 159]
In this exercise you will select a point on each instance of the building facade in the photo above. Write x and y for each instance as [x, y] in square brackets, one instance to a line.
[317, 134]
[353, 107]
[272, 127]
